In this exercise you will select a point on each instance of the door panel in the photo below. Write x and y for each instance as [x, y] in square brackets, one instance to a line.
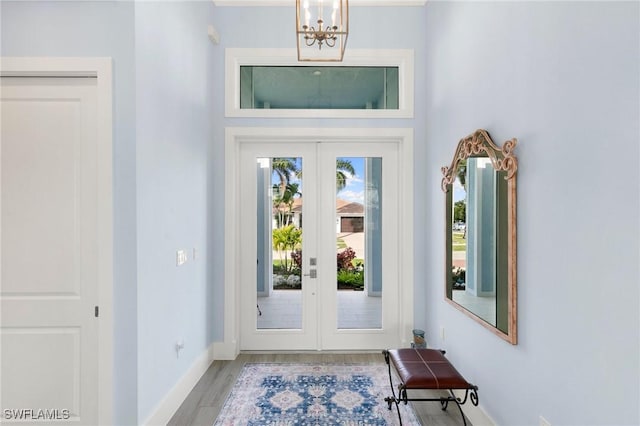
[364, 319]
[324, 312]
[29, 382]
[49, 249]
[275, 318]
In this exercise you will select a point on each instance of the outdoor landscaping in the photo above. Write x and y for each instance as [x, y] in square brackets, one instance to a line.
[287, 232]
[459, 241]
[350, 270]
[458, 276]
[287, 272]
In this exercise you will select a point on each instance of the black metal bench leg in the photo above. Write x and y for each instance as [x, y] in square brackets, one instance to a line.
[392, 399]
[454, 399]
[444, 403]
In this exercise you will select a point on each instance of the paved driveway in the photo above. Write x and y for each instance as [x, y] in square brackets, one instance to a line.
[355, 240]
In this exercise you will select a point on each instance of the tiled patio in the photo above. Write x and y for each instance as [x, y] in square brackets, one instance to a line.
[283, 310]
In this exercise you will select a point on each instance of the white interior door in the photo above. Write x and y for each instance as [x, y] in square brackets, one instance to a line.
[49, 250]
[322, 311]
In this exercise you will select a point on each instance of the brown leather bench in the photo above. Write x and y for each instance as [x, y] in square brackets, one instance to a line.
[426, 369]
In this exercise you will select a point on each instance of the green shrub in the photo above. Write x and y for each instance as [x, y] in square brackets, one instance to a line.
[344, 259]
[351, 278]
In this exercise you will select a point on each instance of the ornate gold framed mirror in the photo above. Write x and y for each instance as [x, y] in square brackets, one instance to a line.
[480, 188]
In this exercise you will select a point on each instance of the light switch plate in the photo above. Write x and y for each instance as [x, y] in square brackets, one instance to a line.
[181, 257]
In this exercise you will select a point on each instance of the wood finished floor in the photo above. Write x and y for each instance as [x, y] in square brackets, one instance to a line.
[202, 405]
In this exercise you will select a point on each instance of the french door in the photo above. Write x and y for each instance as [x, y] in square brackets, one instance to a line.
[319, 245]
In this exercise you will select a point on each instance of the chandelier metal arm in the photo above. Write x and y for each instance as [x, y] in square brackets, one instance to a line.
[326, 36]
[312, 30]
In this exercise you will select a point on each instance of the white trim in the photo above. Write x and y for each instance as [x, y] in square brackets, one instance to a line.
[401, 58]
[406, 250]
[229, 348]
[101, 68]
[475, 414]
[105, 223]
[225, 351]
[369, 3]
[176, 396]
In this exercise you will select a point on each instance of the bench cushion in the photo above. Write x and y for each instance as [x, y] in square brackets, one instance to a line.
[426, 369]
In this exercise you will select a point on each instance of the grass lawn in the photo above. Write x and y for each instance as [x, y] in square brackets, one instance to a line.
[459, 243]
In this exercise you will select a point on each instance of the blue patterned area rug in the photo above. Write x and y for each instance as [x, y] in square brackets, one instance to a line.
[312, 395]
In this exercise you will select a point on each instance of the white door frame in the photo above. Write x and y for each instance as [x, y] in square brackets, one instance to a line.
[229, 348]
[100, 68]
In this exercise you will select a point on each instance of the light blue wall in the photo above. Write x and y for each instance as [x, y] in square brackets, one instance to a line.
[272, 27]
[471, 228]
[173, 134]
[162, 148]
[263, 226]
[488, 243]
[562, 77]
[102, 28]
[373, 217]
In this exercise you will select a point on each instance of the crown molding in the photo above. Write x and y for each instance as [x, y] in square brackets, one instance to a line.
[254, 3]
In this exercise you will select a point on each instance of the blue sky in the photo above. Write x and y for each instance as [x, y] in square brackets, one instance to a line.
[354, 191]
[458, 191]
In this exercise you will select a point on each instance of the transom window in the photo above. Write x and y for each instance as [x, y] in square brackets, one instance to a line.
[272, 83]
[300, 87]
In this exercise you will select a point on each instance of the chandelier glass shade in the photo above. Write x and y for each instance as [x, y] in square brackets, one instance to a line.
[322, 27]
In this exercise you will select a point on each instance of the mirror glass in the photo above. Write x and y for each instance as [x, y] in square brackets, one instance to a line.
[480, 231]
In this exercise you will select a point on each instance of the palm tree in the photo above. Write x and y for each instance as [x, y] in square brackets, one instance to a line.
[285, 168]
[462, 173]
[343, 166]
[285, 200]
[286, 240]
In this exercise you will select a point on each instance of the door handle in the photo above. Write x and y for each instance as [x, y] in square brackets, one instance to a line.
[313, 273]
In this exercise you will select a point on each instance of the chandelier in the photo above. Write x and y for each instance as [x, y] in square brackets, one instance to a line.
[322, 27]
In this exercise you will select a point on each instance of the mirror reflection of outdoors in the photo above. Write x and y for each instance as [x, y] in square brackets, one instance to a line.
[459, 228]
[480, 271]
[473, 269]
[287, 223]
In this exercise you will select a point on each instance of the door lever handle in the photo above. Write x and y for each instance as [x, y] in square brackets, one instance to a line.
[313, 273]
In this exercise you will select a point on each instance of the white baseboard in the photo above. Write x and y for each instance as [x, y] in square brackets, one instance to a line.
[225, 350]
[176, 396]
[476, 415]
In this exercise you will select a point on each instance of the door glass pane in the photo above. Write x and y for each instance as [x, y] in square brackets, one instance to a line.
[359, 242]
[279, 248]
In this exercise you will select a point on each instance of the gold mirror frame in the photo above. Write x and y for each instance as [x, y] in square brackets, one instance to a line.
[479, 144]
